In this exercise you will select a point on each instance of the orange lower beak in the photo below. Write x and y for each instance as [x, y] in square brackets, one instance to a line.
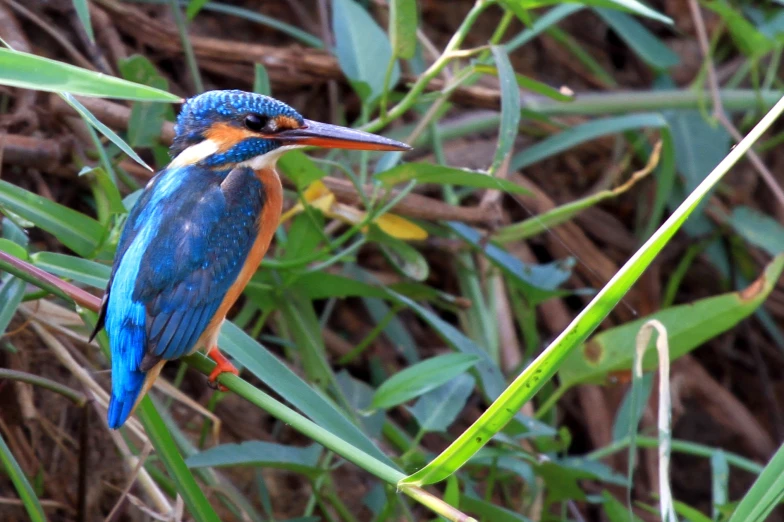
[336, 137]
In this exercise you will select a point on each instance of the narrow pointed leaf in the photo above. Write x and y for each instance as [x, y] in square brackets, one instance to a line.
[22, 485]
[263, 454]
[29, 71]
[427, 173]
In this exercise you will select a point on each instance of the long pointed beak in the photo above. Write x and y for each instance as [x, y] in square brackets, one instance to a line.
[336, 137]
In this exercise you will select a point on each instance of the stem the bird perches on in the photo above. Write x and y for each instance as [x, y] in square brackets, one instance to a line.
[236, 384]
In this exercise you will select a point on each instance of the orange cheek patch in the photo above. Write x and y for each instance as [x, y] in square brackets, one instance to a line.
[226, 136]
[286, 122]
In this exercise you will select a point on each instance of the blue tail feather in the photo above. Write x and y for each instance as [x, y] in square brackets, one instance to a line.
[124, 399]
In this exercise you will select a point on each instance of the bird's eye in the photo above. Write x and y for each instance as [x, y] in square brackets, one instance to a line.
[256, 122]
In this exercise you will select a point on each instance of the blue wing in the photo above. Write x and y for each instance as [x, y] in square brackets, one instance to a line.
[184, 244]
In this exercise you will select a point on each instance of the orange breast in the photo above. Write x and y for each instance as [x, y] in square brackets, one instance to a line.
[268, 223]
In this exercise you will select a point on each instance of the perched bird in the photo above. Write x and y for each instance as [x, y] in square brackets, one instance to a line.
[198, 232]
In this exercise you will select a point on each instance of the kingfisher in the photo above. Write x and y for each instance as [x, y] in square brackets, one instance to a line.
[199, 231]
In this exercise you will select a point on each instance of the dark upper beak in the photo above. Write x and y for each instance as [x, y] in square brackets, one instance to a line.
[336, 137]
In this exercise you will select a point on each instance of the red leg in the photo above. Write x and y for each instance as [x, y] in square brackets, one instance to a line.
[223, 366]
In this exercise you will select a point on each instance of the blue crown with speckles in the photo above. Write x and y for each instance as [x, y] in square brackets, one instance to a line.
[200, 112]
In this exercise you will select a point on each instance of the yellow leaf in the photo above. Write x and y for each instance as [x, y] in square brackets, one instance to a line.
[400, 227]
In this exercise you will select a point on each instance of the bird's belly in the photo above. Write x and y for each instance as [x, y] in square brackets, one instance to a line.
[268, 223]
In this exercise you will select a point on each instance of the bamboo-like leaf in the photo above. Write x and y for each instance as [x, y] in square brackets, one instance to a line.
[166, 449]
[22, 485]
[73, 229]
[510, 107]
[83, 12]
[765, 494]
[264, 454]
[632, 6]
[427, 173]
[652, 50]
[688, 327]
[103, 129]
[421, 378]
[547, 363]
[529, 84]
[29, 71]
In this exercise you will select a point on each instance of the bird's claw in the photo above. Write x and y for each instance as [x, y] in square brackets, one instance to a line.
[223, 366]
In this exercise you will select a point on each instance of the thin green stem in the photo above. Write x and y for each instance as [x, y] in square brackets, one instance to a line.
[680, 446]
[359, 348]
[74, 396]
[434, 70]
[190, 56]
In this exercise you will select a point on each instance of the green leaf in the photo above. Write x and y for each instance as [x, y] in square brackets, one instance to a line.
[194, 6]
[20, 482]
[688, 326]
[299, 168]
[73, 229]
[83, 13]
[362, 48]
[649, 48]
[542, 369]
[437, 409]
[749, 40]
[632, 6]
[264, 454]
[261, 81]
[529, 84]
[615, 511]
[758, 229]
[103, 129]
[29, 71]
[489, 511]
[585, 132]
[765, 494]
[543, 277]
[359, 394]
[15, 249]
[406, 259]
[12, 290]
[147, 118]
[403, 27]
[167, 451]
[510, 107]
[699, 146]
[259, 361]
[108, 201]
[69, 267]
[428, 173]
[421, 378]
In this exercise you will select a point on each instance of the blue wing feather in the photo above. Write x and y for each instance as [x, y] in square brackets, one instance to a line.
[183, 246]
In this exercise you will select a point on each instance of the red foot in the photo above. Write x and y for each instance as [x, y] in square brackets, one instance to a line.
[224, 366]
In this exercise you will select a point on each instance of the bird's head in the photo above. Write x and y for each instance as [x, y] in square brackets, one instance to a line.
[220, 129]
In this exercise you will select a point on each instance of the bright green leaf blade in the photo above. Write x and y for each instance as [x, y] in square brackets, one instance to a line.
[649, 48]
[166, 450]
[403, 27]
[546, 364]
[69, 267]
[299, 168]
[194, 6]
[632, 6]
[688, 326]
[73, 229]
[489, 510]
[749, 40]
[261, 81]
[29, 71]
[549, 19]
[280, 378]
[427, 173]
[437, 409]
[83, 13]
[585, 132]
[22, 485]
[765, 494]
[758, 229]
[147, 118]
[12, 290]
[15, 249]
[421, 378]
[264, 454]
[362, 48]
[510, 107]
[103, 129]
